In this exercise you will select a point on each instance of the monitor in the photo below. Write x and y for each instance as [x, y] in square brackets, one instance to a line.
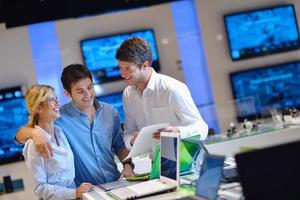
[99, 54]
[272, 87]
[115, 100]
[270, 173]
[13, 114]
[263, 31]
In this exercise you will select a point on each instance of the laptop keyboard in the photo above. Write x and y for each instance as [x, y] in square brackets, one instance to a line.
[148, 186]
[123, 193]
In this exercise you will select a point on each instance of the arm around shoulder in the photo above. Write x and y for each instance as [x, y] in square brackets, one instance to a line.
[42, 144]
[25, 133]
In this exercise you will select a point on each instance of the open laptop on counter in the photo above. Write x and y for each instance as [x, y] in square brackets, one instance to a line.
[209, 178]
[169, 172]
[229, 173]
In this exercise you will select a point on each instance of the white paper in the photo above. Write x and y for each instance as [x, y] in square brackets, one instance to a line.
[144, 140]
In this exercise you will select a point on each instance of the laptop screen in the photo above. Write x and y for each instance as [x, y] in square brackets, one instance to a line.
[169, 157]
[210, 176]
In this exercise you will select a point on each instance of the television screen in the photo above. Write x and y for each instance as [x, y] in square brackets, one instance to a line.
[115, 100]
[99, 54]
[260, 32]
[272, 87]
[13, 115]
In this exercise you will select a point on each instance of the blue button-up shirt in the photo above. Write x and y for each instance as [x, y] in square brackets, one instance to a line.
[93, 145]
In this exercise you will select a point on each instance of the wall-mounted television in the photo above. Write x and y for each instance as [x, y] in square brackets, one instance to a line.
[115, 100]
[13, 115]
[99, 54]
[263, 31]
[272, 87]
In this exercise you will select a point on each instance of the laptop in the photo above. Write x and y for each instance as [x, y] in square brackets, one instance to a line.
[229, 173]
[209, 178]
[270, 173]
[169, 172]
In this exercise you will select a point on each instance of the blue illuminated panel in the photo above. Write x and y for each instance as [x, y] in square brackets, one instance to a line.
[193, 59]
[46, 56]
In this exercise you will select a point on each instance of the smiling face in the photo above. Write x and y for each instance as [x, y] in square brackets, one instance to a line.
[49, 110]
[132, 73]
[83, 94]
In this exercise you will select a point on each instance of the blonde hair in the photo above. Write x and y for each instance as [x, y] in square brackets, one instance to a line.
[35, 96]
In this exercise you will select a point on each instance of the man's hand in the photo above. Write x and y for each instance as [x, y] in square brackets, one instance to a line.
[133, 137]
[127, 171]
[42, 144]
[156, 134]
[84, 187]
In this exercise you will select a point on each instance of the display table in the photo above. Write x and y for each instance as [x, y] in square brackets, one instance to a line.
[269, 137]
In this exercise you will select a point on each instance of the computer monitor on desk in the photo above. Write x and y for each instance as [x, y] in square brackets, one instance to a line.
[209, 178]
[270, 173]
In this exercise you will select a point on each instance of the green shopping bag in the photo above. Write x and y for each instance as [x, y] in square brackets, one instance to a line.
[186, 159]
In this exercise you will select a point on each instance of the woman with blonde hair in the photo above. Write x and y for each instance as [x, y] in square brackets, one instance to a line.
[53, 178]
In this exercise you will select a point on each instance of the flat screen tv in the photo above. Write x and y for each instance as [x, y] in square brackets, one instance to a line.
[99, 54]
[272, 87]
[13, 115]
[263, 31]
[115, 100]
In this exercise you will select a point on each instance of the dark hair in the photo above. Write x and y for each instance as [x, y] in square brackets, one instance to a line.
[135, 50]
[72, 74]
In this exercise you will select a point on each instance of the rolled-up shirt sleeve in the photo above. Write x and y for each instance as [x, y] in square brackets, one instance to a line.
[130, 123]
[36, 167]
[118, 142]
[183, 105]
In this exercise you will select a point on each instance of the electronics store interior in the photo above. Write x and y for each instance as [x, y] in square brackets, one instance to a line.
[141, 99]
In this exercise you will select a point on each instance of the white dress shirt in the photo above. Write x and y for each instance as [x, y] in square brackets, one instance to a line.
[53, 178]
[164, 100]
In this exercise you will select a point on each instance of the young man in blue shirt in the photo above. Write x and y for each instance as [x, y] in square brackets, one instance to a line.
[92, 129]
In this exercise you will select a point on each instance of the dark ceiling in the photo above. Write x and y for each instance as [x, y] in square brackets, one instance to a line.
[22, 12]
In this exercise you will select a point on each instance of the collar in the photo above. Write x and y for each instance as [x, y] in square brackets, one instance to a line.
[151, 83]
[78, 112]
[47, 135]
[152, 80]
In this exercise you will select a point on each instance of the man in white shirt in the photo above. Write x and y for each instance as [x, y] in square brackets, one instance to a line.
[152, 98]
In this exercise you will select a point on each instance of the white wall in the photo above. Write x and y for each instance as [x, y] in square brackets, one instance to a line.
[16, 64]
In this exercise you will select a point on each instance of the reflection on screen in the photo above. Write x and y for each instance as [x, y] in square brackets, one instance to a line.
[274, 86]
[169, 157]
[99, 54]
[260, 32]
[210, 176]
[114, 100]
[13, 115]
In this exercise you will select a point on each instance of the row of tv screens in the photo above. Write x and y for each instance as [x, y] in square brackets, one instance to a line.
[250, 34]
[276, 86]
